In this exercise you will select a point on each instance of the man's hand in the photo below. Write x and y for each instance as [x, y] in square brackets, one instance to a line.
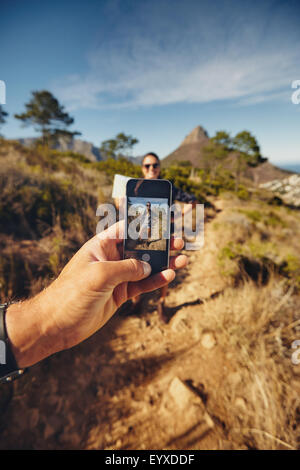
[88, 291]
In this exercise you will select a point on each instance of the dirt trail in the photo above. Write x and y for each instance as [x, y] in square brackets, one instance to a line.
[167, 404]
[137, 383]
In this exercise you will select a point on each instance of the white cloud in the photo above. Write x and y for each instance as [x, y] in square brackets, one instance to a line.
[154, 58]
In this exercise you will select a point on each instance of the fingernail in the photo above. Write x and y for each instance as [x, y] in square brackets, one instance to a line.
[147, 268]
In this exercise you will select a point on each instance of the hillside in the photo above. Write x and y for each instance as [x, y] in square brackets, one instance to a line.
[77, 146]
[218, 375]
[74, 145]
[191, 149]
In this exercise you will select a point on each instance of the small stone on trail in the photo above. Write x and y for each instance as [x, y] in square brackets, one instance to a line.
[208, 340]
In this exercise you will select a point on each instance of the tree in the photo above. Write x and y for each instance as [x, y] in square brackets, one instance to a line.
[48, 115]
[222, 138]
[118, 147]
[212, 158]
[3, 115]
[247, 145]
[185, 163]
[239, 166]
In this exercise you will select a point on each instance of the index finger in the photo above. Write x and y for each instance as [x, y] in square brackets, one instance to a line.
[114, 232]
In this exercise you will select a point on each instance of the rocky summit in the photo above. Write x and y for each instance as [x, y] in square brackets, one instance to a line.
[198, 135]
[190, 148]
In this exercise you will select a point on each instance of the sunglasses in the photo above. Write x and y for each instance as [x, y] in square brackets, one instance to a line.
[147, 166]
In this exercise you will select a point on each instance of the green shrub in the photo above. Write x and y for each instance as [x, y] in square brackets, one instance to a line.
[209, 184]
[30, 202]
[253, 215]
[120, 166]
[268, 218]
[179, 176]
[228, 252]
[291, 268]
[274, 220]
[243, 193]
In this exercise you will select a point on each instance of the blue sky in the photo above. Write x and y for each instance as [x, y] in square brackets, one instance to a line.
[157, 69]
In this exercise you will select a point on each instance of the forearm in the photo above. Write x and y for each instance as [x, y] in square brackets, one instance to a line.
[30, 332]
[82, 299]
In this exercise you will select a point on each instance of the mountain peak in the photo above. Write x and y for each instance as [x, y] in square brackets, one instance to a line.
[198, 135]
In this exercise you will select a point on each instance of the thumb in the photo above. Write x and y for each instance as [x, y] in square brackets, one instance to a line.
[127, 270]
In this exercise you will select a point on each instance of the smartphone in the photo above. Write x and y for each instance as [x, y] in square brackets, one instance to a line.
[147, 222]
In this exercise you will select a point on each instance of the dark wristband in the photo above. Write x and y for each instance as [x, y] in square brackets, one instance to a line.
[9, 369]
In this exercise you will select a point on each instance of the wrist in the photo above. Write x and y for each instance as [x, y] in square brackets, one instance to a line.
[29, 332]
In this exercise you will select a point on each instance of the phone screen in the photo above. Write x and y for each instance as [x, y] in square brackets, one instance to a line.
[147, 234]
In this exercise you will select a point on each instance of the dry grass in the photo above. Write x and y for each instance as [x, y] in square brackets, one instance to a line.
[257, 240]
[48, 208]
[255, 327]
[256, 321]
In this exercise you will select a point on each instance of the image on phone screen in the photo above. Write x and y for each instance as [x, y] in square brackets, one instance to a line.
[148, 222]
[152, 226]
